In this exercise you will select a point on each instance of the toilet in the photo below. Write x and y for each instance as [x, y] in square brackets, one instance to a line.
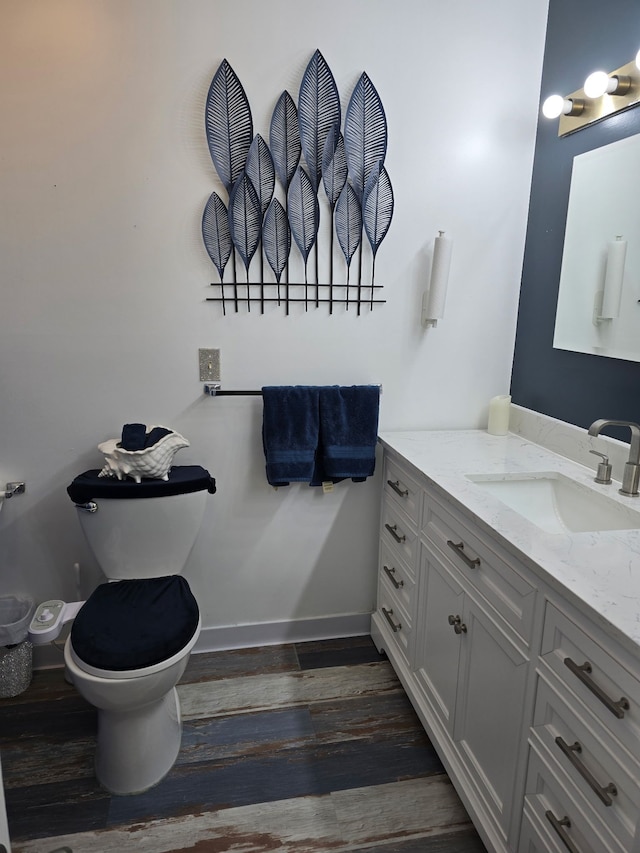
[131, 640]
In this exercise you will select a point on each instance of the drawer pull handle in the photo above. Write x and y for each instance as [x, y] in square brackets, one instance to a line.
[572, 751]
[393, 531]
[583, 673]
[559, 826]
[404, 493]
[458, 547]
[458, 625]
[390, 573]
[388, 615]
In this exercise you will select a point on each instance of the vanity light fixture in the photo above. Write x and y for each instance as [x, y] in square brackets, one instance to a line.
[604, 93]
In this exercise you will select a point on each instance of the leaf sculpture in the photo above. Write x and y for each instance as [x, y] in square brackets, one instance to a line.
[334, 177]
[261, 171]
[365, 138]
[228, 124]
[365, 132]
[377, 211]
[262, 175]
[304, 216]
[276, 238]
[215, 232]
[318, 112]
[216, 237]
[348, 226]
[245, 221]
[334, 165]
[284, 139]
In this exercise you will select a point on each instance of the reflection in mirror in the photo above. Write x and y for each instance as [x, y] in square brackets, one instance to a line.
[598, 300]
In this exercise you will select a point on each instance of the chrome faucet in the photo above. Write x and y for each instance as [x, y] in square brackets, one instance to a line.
[631, 475]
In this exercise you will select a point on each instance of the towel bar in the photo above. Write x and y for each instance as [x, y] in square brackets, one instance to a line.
[213, 389]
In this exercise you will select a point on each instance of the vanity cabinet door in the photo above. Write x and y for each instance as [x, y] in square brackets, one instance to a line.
[438, 646]
[489, 702]
[472, 675]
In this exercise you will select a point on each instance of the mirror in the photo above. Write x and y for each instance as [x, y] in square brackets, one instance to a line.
[598, 308]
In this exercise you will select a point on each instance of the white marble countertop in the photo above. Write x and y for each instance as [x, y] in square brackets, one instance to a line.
[601, 569]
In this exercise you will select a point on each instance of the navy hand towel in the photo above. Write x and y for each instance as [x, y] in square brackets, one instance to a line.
[290, 429]
[349, 430]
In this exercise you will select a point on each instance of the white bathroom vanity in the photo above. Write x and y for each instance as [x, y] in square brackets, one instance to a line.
[513, 622]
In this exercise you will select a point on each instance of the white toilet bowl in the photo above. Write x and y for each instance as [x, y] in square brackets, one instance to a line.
[131, 640]
[139, 723]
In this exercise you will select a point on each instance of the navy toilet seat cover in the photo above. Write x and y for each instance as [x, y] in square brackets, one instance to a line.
[133, 624]
[183, 479]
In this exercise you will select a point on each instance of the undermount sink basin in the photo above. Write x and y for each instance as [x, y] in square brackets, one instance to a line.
[558, 504]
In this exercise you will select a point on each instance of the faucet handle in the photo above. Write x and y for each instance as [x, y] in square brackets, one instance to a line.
[603, 474]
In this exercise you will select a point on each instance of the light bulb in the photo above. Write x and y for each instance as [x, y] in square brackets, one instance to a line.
[598, 84]
[553, 106]
[557, 105]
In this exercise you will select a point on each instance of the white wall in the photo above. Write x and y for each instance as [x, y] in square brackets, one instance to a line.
[104, 171]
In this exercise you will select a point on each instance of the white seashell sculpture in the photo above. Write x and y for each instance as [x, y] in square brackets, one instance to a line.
[152, 462]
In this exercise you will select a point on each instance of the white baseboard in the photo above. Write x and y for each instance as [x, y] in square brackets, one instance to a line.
[277, 633]
[248, 636]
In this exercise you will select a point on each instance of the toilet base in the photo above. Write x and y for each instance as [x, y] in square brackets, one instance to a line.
[136, 749]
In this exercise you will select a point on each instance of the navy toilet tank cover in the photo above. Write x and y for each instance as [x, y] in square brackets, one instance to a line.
[132, 624]
[183, 479]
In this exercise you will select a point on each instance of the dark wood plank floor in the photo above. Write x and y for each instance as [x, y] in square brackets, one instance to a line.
[307, 747]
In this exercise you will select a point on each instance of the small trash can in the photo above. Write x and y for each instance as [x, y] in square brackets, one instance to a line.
[16, 652]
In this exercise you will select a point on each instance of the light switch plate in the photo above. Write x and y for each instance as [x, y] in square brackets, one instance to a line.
[209, 360]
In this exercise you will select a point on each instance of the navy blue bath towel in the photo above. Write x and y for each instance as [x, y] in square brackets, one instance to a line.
[313, 434]
[349, 430]
[290, 429]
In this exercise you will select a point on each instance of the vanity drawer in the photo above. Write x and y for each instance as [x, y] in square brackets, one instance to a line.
[395, 573]
[398, 535]
[593, 675]
[535, 837]
[552, 806]
[403, 489]
[395, 618]
[478, 560]
[584, 751]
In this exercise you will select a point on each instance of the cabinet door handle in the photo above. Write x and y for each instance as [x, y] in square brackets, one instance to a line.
[390, 573]
[572, 751]
[458, 547]
[388, 615]
[583, 672]
[458, 625]
[393, 531]
[395, 485]
[559, 826]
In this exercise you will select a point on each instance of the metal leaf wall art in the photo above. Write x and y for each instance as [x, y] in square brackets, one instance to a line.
[215, 233]
[276, 238]
[304, 217]
[377, 209]
[307, 148]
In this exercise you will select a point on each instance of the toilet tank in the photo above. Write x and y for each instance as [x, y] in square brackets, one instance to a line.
[147, 536]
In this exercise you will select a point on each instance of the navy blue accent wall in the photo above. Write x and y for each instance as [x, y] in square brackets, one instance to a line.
[582, 36]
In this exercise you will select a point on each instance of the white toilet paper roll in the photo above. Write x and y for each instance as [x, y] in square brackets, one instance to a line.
[499, 408]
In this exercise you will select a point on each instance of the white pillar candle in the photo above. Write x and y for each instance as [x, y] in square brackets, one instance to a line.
[499, 415]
